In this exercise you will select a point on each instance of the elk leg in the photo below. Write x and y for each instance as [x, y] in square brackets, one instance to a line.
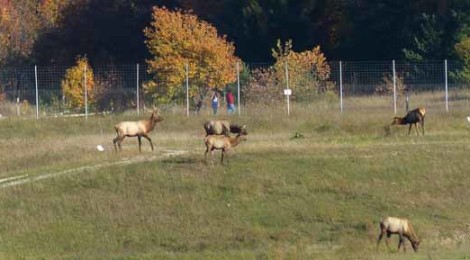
[416, 128]
[401, 242]
[387, 240]
[205, 155]
[150, 140]
[118, 140]
[422, 125]
[140, 142]
[226, 155]
[380, 238]
[409, 129]
[119, 143]
[222, 157]
[114, 142]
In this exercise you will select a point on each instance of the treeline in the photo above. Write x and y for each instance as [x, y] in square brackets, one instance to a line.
[47, 32]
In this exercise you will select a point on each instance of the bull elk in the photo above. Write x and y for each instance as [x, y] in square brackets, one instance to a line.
[137, 129]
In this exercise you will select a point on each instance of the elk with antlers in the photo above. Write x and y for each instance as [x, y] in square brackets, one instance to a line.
[137, 129]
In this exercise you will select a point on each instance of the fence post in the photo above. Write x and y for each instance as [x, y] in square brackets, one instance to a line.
[446, 85]
[238, 88]
[287, 87]
[341, 87]
[37, 92]
[187, 89]
[86, 94]
[137, 89]
[394, 88]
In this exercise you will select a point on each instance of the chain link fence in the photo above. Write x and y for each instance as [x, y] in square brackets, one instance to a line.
[352, 85]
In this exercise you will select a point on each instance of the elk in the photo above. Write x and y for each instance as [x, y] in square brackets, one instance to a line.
[400, 226]
[223, 127]
[412, 118]
[139, 128]
[220, 142]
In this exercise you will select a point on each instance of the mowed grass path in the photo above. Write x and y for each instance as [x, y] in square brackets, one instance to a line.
[316, 197]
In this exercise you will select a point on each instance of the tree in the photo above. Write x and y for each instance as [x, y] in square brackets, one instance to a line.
[22, 23]
[176, 39]
[428, 41]
[18, 26]
[308, 70]
[462, 49]
[73, 84]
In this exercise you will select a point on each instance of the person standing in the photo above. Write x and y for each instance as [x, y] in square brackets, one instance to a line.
[230, 102]
[215, 102]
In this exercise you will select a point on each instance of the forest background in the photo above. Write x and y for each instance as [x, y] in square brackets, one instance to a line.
[48, 32]
[201, 41]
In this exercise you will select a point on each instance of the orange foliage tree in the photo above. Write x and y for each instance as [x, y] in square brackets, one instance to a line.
[176, 39]
[308, 71]
[73, 84]
[21, 22]
[18, 29]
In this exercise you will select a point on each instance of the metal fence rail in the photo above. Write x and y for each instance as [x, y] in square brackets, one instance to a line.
[37, 91]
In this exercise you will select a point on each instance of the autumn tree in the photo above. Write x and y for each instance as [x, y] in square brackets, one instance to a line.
[262, 88]
[18, 27]
[308, 71]
[21, 24]
[73, 84]
[176, 39]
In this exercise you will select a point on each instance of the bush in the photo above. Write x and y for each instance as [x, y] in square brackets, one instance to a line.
[73, 87]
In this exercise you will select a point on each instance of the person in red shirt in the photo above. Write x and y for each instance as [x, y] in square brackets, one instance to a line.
[230, 102]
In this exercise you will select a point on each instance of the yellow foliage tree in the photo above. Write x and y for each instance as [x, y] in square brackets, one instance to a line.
[176, 39]
[308, 71]
[73, 84]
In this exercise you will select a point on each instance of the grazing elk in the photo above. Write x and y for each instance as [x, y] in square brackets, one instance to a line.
[400, 226]
[220, 142]
[139, 128]
[223, 127]
[412, 118]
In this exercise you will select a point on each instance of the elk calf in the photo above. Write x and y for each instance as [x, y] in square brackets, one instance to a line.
[220, 142]
[139, 128]
[400, 226]
[223, 127]
[412, 118]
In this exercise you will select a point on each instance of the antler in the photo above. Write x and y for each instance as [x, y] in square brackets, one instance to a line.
[155, 109]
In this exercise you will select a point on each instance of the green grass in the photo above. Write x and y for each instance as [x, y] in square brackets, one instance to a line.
[315, 197]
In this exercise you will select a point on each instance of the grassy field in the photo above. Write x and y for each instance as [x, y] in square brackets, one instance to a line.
[316, 197]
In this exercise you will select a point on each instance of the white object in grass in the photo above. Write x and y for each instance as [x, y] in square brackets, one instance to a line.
[100, 148]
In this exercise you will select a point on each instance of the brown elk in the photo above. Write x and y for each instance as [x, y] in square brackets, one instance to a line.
[400, 226]
[220, 142]
[223, 127]
[139, 128]
[412, 118]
